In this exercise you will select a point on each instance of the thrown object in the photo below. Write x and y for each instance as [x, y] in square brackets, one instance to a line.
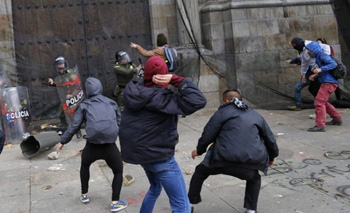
[188, 171]
[34, 144]
[128, 179]
[53, 155]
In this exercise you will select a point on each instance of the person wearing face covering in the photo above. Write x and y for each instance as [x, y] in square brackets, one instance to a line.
[306, 62]
[148, 130]
[328, 85]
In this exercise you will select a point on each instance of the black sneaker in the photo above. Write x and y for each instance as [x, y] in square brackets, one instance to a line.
[334, 122]
[317, 129]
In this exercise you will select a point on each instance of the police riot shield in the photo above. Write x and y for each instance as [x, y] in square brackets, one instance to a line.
[15, 113]
[70, 91]
[2, 85]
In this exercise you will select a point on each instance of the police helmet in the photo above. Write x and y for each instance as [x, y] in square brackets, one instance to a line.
[61, 60]
[122, 55]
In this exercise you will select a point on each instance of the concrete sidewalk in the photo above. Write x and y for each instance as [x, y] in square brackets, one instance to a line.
[303, 179]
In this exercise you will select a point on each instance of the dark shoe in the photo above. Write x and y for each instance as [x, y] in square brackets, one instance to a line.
[294, 108]
[317, 129]
[334, 122]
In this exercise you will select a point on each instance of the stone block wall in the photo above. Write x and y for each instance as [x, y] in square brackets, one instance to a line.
[165, 18]
[209, 84]
[257, 34]
[7, 47]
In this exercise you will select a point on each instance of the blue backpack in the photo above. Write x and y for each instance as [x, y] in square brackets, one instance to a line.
[171, 58]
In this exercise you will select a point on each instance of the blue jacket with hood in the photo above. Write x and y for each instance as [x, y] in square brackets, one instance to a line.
[148, 129]
[101, 114]
[324, 61]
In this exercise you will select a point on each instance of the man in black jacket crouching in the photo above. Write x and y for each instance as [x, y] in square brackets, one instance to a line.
[242, 144]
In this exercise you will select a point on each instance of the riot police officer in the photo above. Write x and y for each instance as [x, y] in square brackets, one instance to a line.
[65, 75]
[125, 71]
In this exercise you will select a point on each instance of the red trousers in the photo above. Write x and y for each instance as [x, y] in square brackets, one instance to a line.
[322, 106]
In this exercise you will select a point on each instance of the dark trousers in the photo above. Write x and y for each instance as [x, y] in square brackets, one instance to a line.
[63, 120]
[108, 152]
[315, 86]
[252, 177]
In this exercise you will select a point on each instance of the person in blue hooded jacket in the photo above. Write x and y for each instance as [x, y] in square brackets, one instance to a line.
[148, 130]
[240, 143]
[101, 116]
[328, 85]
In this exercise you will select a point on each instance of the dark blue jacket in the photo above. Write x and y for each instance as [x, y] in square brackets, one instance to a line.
[2, 140]
[240, 137]
[101, 114]
[323, 61]
[148, 129]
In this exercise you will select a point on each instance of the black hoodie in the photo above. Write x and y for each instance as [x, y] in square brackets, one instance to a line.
[148, 129]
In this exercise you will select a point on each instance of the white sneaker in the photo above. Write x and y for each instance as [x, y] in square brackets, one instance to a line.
[251, 211]
[312, 116]
[84, 199]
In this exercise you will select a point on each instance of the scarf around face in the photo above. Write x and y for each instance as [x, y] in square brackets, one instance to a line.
[299, 44]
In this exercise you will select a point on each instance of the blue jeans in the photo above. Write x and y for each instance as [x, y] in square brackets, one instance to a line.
[166, 174]
[297, 91]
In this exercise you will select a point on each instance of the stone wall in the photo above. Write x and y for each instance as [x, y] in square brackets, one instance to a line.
[166, 18]
[7, 48]
[163, 20]
[252, 37]
[257, 34]
[341, 10]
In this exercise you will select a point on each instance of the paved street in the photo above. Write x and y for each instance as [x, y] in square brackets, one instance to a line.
[311, 175]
